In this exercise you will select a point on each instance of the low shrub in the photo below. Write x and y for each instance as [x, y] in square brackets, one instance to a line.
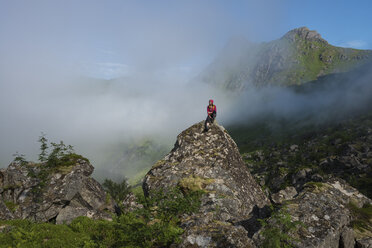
[277, 229]
[155, 225]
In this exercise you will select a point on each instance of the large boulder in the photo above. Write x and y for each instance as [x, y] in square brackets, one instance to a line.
[33, 191]
[325, 210]
[210, 161]
[284, 195]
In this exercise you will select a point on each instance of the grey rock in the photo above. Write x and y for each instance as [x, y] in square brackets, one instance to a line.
[301, 177]
[67, 214]
[293, 148]
[347, 239]
[322, 208]
[130, 203]
[284, 195]
[5, 213]
[305, 34]
[67, 194]
[209, 161]
[364, 243]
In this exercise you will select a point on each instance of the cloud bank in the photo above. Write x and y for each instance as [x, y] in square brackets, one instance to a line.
[56, 55]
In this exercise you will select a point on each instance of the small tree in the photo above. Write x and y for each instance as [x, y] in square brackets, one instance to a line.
[59, 151]
[43, 148]
[19, 158]
[118, 191]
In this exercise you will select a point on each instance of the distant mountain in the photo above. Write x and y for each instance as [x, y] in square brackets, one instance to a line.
[300, 56]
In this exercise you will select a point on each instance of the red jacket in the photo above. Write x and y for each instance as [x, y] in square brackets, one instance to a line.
[211, 109]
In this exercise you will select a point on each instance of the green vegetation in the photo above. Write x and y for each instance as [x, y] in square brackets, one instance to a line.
[192, 183]
[154, 225]
[327, 149]
[118, 191]
[137, 190]
[20, 159]
[24, 233]
[43, 148]
[362, 217]
[295, 59]
[60, 159]
[60, 156]
[320, 58]
[315, 58]
[277, 229]
[315, 185]
[11, 205]
[132, 159]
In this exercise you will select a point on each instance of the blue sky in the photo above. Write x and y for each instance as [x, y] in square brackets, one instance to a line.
[108, 39]
[343, 23]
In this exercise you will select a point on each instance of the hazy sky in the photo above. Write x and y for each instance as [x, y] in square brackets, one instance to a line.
[112, 38]
[49, 48]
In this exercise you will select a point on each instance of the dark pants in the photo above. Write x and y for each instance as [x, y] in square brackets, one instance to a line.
[209, 119]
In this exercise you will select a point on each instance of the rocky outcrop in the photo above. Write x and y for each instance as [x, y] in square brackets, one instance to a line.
[326, 213]
[342, 151]
[303, 33]
[29, 191]
[130, 203]
[364, 243]
[284, 195]
[209, 161]
[323, 208]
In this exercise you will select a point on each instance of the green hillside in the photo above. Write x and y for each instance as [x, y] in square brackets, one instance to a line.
[276, 155]
[129, 160]
[300, 56]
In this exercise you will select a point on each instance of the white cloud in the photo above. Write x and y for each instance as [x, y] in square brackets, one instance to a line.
[106, 70]
[359, 44]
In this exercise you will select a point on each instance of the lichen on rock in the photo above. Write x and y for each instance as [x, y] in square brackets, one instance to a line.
[56, 195]
[209, 161]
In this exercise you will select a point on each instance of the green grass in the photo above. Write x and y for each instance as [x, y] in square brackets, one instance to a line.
[317, 58]
[118, 191]
[263, 145]
[277, 229]
[133, 158]
[154, 225]
[11, 206]
[24, 233]
[138, 177]
[361, 217]
[138, 191]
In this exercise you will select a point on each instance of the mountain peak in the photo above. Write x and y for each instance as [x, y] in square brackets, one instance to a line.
[304, 33]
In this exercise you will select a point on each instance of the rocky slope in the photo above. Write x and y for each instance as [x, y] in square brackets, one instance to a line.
[210, 162]
[326, 212]
[308, 170]
[300, 56]
[320, 209]
[31, 191]
[314, 153]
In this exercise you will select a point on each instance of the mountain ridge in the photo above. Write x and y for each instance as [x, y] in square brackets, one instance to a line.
[299, 56]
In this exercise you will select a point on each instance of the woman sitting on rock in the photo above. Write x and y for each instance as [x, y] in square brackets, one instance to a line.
[212, 113]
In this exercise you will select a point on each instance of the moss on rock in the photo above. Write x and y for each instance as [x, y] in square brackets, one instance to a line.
[193, 183]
